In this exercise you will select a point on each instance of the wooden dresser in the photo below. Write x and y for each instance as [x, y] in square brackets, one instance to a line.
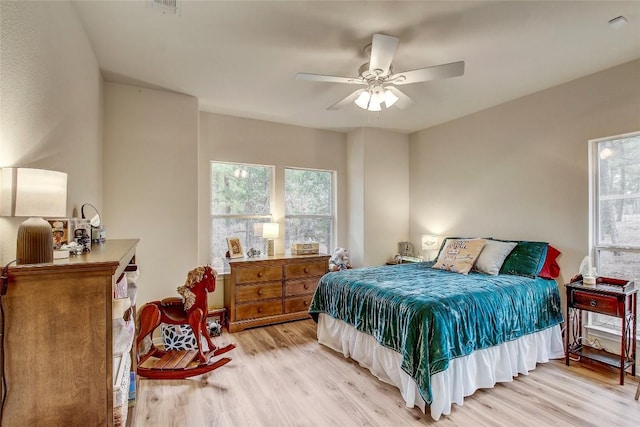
[263, 291]
[59, 358]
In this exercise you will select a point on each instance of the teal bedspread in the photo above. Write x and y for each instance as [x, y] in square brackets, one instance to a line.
[432, 316]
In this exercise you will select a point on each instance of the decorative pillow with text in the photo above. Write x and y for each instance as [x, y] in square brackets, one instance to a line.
[459, 255]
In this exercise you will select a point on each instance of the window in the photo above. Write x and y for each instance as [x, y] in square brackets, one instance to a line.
[241, 195]
[309, 207]
[615, 204]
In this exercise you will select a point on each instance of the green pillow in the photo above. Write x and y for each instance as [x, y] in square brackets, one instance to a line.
[526, 259]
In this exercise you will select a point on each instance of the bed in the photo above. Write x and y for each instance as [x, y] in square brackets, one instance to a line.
[439, 335]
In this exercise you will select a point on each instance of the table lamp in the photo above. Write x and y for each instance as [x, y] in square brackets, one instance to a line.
[270, 231]
[429, 244]
[33, 193]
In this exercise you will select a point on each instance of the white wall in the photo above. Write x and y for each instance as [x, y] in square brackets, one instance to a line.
[355, 190]
[235, 139]
[378, 194]
[519, 170]
[150, 182]
[50, 102]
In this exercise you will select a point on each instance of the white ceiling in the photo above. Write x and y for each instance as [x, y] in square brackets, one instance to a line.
[240, 58]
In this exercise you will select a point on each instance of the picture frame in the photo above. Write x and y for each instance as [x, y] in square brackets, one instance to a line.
[235, 247]
[60, 230]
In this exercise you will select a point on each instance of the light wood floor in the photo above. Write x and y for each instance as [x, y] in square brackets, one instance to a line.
[280, 376]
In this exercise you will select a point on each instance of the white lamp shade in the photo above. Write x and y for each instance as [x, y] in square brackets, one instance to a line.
[429, 242]
[389, 98]
[378, 96]
[372, 99]
[374, 106]
[362, 100]
[33, 193]
[270, 230]
[257, 229]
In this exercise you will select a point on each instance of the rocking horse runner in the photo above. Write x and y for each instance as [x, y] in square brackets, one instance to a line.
[191, 309]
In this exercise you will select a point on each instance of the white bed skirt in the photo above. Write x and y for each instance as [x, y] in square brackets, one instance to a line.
[465, 375]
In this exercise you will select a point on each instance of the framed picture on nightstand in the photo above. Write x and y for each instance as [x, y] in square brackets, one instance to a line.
[235, 247]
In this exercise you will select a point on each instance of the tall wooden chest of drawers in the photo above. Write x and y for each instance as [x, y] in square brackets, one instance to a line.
[263, 291]
[59, 361]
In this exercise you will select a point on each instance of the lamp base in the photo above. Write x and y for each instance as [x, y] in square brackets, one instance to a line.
[35, 242]
[270, 247]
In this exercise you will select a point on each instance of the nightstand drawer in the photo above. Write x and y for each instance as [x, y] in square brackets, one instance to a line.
[302, 287]
[597, 303]
[300, 270]
[247, 293]
[297, 304]
[258, 274]
[259, 309]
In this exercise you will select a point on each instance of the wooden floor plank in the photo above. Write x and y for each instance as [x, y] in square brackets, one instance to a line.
[280, 376]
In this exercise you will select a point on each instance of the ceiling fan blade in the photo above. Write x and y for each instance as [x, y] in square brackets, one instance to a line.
[330, 79]
[346, 100]
[403, 101]
[428, 73]
[383, 48]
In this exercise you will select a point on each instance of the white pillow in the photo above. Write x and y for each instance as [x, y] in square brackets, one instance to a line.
[493, 255]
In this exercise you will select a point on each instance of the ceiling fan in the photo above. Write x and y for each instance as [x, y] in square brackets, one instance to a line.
[379, 79]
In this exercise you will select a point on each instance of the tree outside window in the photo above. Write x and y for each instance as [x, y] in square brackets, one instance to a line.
[309, 207]
[241, 195]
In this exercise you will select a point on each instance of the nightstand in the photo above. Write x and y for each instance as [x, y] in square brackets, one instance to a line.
[612, 297]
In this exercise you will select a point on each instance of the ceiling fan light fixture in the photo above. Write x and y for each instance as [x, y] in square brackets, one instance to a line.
[373, 106]
[379, 78]
[377, 95]
[362, 100]
[389, 98]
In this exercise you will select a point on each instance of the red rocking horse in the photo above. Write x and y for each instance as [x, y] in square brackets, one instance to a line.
[189, 310]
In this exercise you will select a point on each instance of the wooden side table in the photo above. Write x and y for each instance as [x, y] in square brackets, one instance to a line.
[612, 297]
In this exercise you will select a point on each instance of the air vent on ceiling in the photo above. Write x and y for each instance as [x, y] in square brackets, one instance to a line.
[167, 6]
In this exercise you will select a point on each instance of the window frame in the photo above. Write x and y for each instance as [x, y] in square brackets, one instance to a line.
[259, 217]
[332, 208]
[606, 327]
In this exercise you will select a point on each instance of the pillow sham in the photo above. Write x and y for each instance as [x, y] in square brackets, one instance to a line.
[526, 259]
[444, 243]
[550, 268]
[493, 256]
[459, 255]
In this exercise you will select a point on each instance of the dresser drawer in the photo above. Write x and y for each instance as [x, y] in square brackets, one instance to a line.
[297, 304]
[597, 303]
[258, 274]
[258, 309]
[302, 286]
[307, 269]
[246, 293]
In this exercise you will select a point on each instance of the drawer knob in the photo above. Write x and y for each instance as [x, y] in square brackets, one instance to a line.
[260, 274]
[259, 309]
[260, 291]
[306, 303]
[306, 269]
[306, 286]
[593, 303]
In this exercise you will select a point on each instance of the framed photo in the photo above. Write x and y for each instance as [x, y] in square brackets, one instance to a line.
[235, 247]
[60, 229]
